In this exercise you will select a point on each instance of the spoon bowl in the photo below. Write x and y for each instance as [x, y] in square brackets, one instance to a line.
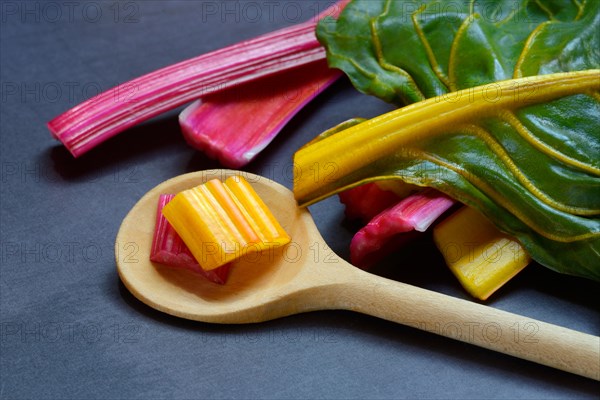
[306, 275]
[258, 283]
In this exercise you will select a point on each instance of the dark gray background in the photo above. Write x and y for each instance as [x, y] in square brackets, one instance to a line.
[69, 328]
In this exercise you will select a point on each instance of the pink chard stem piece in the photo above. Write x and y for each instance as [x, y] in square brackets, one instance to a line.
[389, 228]
[168, 248]
[92, 122]
[364, 202]
[235, 125]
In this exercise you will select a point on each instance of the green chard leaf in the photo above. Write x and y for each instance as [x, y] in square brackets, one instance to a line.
[502, 112]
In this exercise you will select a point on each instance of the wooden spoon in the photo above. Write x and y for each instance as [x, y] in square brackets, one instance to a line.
[306, 275]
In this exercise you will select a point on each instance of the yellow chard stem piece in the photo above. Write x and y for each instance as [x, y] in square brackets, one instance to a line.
[480, 256]
[362, 144]
[220, 222]
[256, 212]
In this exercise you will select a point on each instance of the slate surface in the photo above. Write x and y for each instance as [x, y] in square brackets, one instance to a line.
[68, 327]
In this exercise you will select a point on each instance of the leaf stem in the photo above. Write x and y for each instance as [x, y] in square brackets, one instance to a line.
[379, 137]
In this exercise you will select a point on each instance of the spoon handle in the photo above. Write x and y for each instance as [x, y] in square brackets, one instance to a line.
[470, 322]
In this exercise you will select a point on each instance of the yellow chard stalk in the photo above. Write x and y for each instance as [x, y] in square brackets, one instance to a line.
[364, 144]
